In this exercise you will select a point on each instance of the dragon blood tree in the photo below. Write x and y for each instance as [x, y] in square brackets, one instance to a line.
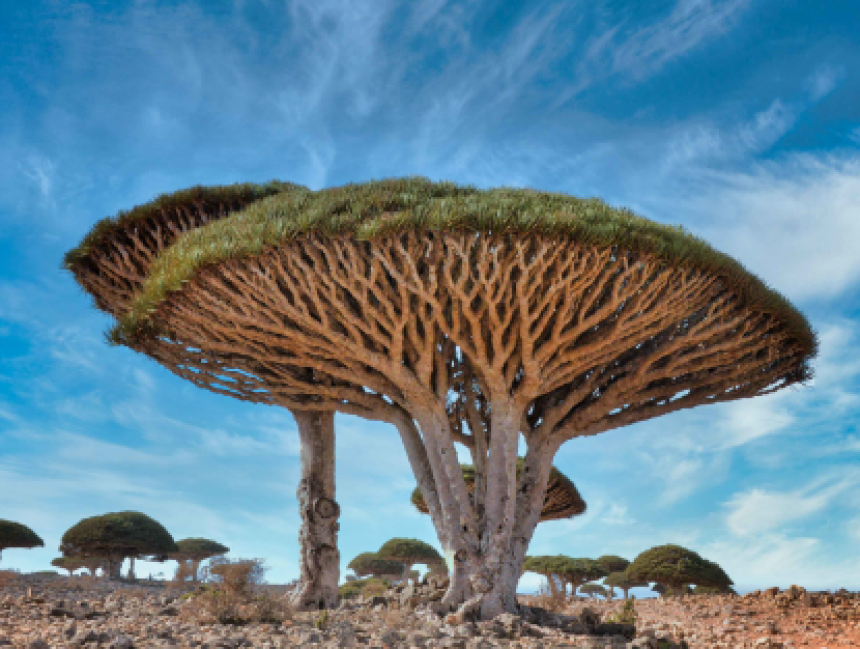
[111, 263]
[677, 568]
[463, 315]
[551, 568]
[613, 563]
[196, 550]
[409, 552]
[16, 535]
[368, 564]
[68, 563]
[593, 589]
[562, 499]
[577, 572]
[116, 537]
[622, 581]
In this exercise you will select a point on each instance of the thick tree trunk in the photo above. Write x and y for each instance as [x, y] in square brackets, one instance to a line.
[114, 568]
[484, 576]
[320, 559]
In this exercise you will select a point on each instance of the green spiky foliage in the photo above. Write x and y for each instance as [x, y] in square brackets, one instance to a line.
[368, 564]
[195, 550]
[410, 552]
[198, 197]
[711, 590]
[68, 563]
[622, 581]
[366, 586]
[592, 589]
[377, 208]
[16, 535]
[117, 536]
[613, 563]
[677, 567]
[563, 570]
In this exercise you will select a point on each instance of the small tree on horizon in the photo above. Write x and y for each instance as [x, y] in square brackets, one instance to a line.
[16, 535]
[677, 568]
[593, 589]
[579, 571]
[622, 581]
[410, 552]
[368, 564]
[195, 550]
[115, 537]
[69, 564]
[613, 563]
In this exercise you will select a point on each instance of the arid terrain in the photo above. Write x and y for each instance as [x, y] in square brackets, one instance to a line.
[85, 612]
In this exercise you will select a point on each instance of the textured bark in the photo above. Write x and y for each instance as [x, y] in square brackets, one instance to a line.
[320, 559]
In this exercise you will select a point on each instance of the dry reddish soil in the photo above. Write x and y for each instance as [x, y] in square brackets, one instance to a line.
[791, 618]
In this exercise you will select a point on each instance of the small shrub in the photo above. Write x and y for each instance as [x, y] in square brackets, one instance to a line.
[627, 614]
[550, 600]
[369, 586]
[321, 622]
[229, 597]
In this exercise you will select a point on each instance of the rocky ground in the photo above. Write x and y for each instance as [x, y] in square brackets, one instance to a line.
[80, 612]
[770, 618]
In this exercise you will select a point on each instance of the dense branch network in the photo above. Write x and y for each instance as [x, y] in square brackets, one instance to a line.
[471, 333]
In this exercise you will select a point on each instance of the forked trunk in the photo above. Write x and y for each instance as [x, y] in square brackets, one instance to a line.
[320, 559]
[484, 583]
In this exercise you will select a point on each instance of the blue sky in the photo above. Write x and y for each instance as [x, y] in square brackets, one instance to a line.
[736, 118]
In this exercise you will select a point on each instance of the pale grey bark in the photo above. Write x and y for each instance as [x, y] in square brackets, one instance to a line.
[320, 558]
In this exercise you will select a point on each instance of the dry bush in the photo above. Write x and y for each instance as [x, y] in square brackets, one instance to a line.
[9, 578]
[236, 575]
[229, 596]
[546, 599]
[398, 619]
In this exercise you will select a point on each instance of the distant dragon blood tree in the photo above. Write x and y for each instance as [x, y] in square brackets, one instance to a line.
[195, 550]
[368, 564]
[16, 535]
[622, 581]
[116, 537]
[69, 564]
[462, 315]
[409, 552]
[678, 568]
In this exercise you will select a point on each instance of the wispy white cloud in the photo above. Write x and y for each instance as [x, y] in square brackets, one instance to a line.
[760, 510]
[636, 53]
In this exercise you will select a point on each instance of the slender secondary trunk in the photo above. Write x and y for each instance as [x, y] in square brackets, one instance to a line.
[320, 558]
[195, 570]
[626, 591]
[130, 575]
